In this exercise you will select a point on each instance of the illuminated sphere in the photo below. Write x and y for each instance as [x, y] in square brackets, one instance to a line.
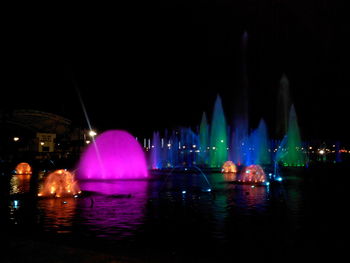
[23, 168]
[114, 154]
[229, 167]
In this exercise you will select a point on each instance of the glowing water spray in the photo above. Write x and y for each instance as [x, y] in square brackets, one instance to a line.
[115, 155]
[23, 168]
[60, 183]
[253, 174]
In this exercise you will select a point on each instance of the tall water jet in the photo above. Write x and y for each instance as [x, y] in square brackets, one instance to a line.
[155, 159]
[116, 155]
[189, 144]
[259, 143]
[239, 139]
[283, 107]
[218, 136]
[204, 140]
[173, 150]
[294, 155]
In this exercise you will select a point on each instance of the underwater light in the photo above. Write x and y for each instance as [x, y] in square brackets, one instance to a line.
[279, 179]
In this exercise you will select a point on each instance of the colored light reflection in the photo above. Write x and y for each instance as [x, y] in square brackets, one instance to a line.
[113, 155]
[116, 208]
[58, 214]
[20, 183]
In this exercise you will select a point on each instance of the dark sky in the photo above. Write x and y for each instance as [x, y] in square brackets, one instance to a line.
[143, 67]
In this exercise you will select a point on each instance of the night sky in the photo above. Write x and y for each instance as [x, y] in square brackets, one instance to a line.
[143, 67]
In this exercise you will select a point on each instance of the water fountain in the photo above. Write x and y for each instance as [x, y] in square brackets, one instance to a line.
[23, 168]
[294, 155]
[283, 107]
[229, 170]
[60, 183]
[186, 180]
[155, 158]
[113, 154]
[259, 146]
[253, 174]
[229, 167]
[218, 136]
[204, 140]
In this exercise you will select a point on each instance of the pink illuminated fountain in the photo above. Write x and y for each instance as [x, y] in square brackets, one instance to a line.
[253, 174]
[60, 183]
[114, 154]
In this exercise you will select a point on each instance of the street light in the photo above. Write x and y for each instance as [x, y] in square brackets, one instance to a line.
[92, 133]
[16, 139]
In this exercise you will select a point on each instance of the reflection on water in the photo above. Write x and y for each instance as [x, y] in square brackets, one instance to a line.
[20, 183]
[58, 214]
[117, 210]
[230, 177]
[280, 217]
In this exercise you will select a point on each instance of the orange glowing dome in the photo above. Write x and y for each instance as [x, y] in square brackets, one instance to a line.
[60, 183]
[229, 167]
[253, 174]
[23, 168]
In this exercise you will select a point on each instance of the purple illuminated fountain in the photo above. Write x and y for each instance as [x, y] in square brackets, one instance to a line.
[114, 154]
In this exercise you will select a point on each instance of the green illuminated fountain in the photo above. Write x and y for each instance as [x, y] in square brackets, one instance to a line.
[294, 156]
[218, 136]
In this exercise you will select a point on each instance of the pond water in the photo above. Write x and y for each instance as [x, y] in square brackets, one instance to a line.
[185, 218]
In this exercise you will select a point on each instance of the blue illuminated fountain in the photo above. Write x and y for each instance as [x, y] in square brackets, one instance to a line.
[210, 146]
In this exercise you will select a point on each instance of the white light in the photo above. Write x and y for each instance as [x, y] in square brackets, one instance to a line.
[87, 142]
[42, 143]
[321, 152]
[184, 192]
[222, 141]
[279, 179]
[15, 139]
[267, 183]
[194, 146]
[92, 133]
